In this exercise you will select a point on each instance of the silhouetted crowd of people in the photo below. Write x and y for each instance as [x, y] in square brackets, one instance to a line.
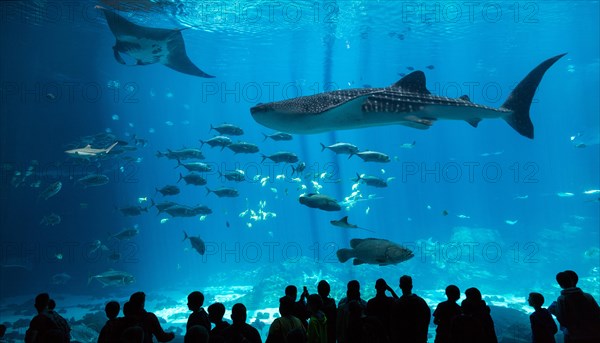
[315, 318]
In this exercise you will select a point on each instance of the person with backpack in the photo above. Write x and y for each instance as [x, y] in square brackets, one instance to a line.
[317, 325]
[60, 322]
[543, 327]
[44, 328]
[577, 312]
[284, 326]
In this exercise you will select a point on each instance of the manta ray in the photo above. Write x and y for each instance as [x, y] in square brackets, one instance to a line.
[149, 45]
[406, 102]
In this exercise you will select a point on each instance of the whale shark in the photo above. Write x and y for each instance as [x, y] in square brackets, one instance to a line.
[147, 45]
[406, 102]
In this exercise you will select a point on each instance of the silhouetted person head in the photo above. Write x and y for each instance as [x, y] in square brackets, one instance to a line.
[353, 290]
[112, 309]
[196, 334]
[406, 284]
[195, 301]
[2, 330]
[473, 294]
[216, 312]
[238, 313]
[380, 286]
[323, 289]
[314, 303]
[41, 302]
[128, 309]
[286, 306]
[536, 300]
[453, 293]
[565, 280]
[353, 285]
[138, 298]
[292, 292]
[574, 277]
[51, 305]
[137, 302]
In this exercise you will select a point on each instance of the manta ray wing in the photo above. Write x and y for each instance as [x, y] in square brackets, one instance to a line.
[132, 5]
[150, 45]
[121, 27]
[177, 58]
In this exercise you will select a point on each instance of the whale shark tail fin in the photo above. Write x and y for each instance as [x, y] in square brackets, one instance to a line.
[519, 100]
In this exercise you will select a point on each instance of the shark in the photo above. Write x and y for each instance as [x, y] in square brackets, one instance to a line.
[87, 151]
[407, 102]
[147, 45]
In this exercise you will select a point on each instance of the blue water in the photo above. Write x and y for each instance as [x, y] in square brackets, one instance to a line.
[516, 209]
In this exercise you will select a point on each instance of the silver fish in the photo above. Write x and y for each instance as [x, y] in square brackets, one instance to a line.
[197, 243]
[51, 190]
[112, 278]
[223, 192]
[227, 129]
[93, 180]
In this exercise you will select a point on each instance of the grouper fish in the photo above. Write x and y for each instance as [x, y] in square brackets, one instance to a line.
[374, 251]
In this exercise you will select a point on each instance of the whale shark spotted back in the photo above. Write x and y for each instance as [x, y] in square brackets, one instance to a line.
[406, 102]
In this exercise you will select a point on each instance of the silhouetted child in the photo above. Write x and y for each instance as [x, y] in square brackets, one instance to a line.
[343, 311]
[109, 330]
[445, 313]
[148, 320]
[282, 327]
[61, 322]
[128, 329]
[475, 324]
[467, 327]
[576, 311]
[42, 328]
[543, 327]
[240, 331]
[329, 308]
[196, 334]
[2, 330]
[198, 316]
[216, 312]
[317, 325]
